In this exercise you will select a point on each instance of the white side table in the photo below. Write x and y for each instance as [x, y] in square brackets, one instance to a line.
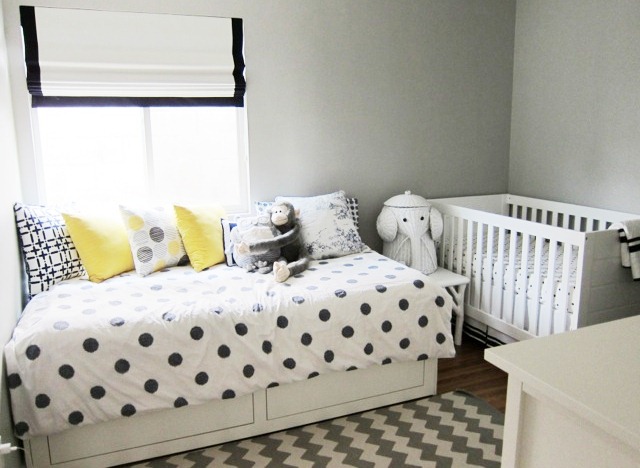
[455, 285]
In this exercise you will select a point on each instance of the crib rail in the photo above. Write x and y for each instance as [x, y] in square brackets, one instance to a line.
[564, 215]
[522, 273]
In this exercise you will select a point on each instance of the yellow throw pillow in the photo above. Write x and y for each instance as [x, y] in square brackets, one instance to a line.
[201, 233]
[102, 243]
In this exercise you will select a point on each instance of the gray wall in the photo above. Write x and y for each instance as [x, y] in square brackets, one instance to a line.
[10, 278]
[377, 97]
[575, 130]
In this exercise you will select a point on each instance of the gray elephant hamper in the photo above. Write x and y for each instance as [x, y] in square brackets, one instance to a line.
[408, 226]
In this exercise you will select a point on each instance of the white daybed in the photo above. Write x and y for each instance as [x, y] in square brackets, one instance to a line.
[536, 267]
[137, 367]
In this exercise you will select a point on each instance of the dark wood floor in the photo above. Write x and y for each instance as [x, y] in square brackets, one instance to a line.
[469, 371]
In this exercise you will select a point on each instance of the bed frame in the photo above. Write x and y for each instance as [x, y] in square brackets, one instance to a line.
[513, 304]
[172, 431]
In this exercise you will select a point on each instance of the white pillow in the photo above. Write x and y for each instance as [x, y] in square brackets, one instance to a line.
[327, 227]
[154, 238]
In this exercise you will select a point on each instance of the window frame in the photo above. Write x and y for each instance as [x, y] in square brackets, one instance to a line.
[148, 160]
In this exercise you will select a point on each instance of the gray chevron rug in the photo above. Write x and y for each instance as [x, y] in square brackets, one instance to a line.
[455, 429]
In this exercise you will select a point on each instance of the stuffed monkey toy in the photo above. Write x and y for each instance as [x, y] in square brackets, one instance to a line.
[285, 218]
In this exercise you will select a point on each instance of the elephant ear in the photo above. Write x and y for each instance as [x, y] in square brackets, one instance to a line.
[387, 225]
[436, 225]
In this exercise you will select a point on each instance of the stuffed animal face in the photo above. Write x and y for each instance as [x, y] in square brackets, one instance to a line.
[283, 213]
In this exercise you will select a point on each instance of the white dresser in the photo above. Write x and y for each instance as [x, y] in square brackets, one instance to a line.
[573, 399]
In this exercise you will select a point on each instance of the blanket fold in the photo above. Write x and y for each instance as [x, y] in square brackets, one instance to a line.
[630, 245]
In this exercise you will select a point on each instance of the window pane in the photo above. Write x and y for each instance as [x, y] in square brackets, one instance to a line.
[92, 154]
[195, 155]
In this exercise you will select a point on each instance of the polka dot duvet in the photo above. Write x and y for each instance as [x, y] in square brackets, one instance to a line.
[85, 352]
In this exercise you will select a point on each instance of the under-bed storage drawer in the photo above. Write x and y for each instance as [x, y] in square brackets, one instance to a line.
[330, 389]
[151, 428]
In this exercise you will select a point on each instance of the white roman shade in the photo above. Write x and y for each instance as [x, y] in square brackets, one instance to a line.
[80, 57]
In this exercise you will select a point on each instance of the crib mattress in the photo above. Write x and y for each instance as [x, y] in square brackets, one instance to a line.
[84, 352]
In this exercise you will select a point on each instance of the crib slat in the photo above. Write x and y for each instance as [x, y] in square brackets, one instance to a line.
[487, 271]
[545, 326]
[534, 286]
[460, 236]
[469, 259]
[521, 284]
[476, 259]
[498, 276]
[510, 279]
[561, 318]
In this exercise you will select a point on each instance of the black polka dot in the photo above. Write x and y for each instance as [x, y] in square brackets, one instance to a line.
[227, 394]
[151, 386]
[341, 293]
[386, 326]
[42, 400]
[368, 349]
[328, 356]
[202, 378]
[403, 304]
[324, 315]
[90, 345]
[180, 402]
[117, 321]
[312, 375]
[423, 357]
[351, 368]
[224, 351]
[440, 338]
[267, 347]
[282, 322]
[347, 331]
[146, 340]
[241, 329]
[33, 351]
[97, 392]
[289, 363]
[21, 428]
[439, 301]
[418, 284]
[273, 384]
[197, 333]
[122, 366]
[75, 418]
[168, 316]
[128, 410]
[365, 309]
[306, 339]
[66, 371]
[14, 381]
[298, 299]
[423, 321]
[248, 371]
[156, 234]
[175, 359]
[404, 343]
[381, 288]
[386, 361]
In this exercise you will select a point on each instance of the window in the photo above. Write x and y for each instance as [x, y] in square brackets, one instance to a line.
[158, 155]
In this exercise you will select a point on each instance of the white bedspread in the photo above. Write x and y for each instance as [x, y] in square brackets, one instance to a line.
[84, 352]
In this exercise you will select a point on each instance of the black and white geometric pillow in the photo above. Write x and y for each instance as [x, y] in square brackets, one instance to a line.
[48, 252]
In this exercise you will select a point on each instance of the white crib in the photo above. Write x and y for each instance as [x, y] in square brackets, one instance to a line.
[536, 267]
